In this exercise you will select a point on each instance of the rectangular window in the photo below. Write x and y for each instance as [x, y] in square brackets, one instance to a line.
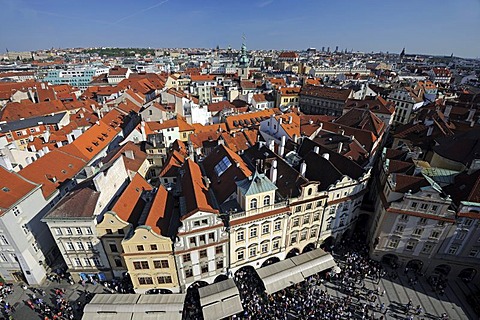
[70, 246]
[298, 209]
[193, 240]
[164, 279]
[253, 251]
[313, 233]
[16, 210]
[140, 248]
[186, 257]
[418, 232]
[308, 206]
[113, 247]
[400, 228]
[202, 239]
[414, 205]
[423, 220]
[138, 265]
[3, 257]
[78, 230]
[203, 253]
[427, 248]
[80, 246]
[87, 262]
[424, 206]
[404, 217]
[58, 231]
[303, 235]
[145, 280]
[468, 222]
[433, 208]
[277, 226]
[316, 216]
[293, 238]
[109, 231]
[218, 249]
[88, 230]
[264, 247]
[276, 244]
[453, 250]
[157, 264]
[306, 218]
[153, 247]
[296, 222]
[77, 262]
[393, 243]
[211, 236]
[219, 264]
[253, 232]
[89, 245]
[461, 235]
[204, 268]
[435, 234]
[473, 253]
[240, 235]
[188, 273]
[69, 230]
[265, 228]
[240, 255]
[410, 245]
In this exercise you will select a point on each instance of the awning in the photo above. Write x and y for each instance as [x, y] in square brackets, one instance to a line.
[279, 276]
[313, 262]
[291, 271]
[220, 300]
[135, 306]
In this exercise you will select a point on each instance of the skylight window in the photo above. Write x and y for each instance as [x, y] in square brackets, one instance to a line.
[5, 189]
[222, 166]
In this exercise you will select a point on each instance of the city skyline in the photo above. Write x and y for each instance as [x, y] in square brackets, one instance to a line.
[426, 28]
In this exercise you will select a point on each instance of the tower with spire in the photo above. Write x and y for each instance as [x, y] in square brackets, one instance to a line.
[243, 62]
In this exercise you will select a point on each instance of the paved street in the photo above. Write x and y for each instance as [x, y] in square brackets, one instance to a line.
[73, 293]
[398, 291]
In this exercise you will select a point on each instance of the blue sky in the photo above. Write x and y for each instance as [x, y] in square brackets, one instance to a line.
[425, 26]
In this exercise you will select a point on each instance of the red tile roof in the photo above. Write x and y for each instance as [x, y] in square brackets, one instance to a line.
[125, 207]
[53, 169]
[194, 190]
[13, 187]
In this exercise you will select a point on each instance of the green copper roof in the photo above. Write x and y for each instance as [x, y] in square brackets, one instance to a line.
[255, 184]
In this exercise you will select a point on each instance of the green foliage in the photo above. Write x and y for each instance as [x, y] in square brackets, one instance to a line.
[120, 52]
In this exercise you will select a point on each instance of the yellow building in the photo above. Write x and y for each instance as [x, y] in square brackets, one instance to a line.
[148, 251]
[288, 96]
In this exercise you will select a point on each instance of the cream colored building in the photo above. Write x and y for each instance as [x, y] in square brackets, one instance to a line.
[150, 261]
[257, 230]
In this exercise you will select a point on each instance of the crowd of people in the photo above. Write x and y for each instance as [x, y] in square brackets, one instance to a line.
[314, 298]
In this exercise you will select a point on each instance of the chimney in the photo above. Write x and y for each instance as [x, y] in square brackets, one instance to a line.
[271, 145]
[295, 138]
[280, 120]
[273, 172]
[303, 168]
[341, 131]
[326, 156]
[430, 130]
[290, 119]
[448, 109]
[340, 147]
[316, 149]
[32, 148]
[320, 126]
[471, 113]
[129, 154]
[281, 150]
[310, 121]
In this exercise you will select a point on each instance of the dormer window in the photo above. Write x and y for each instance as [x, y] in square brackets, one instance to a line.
[266, 200]
[253, 203]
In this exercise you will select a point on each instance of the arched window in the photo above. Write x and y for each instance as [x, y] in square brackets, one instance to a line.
[266, 200]
[253, 203]
[310, 191]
